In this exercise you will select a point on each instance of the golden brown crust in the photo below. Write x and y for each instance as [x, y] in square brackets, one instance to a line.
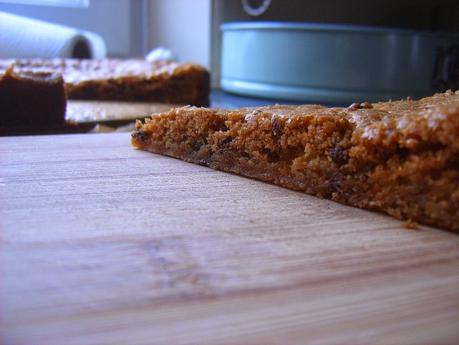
[126, 80]
[400, 157]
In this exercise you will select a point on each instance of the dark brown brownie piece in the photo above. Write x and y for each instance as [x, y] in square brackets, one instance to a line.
[31, 100]
[400, 157]
[127, 80]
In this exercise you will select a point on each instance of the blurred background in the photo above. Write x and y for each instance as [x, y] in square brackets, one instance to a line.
[327, 51]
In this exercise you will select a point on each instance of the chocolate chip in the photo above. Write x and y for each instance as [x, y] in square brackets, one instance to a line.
[196, 146]
[364, 105]
[276, 127]
[218, 125]
[452, 163]
[403, 153]
[206, 161]
[338, 155]
[140, 136]
[273, 157]
[225, 142]
[335, 186]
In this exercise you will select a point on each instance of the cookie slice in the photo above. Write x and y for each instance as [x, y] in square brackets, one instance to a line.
[31, 100]
[132, 80]
[399, 157]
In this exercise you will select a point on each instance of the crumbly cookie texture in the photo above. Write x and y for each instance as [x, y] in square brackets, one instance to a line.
[125, 80]
[398, 157]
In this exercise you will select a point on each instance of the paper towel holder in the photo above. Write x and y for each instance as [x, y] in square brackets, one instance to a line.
[81, 50]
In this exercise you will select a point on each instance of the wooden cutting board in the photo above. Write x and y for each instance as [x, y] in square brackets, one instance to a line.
[103, 244]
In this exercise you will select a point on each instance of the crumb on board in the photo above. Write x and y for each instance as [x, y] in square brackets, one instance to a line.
[410, 225]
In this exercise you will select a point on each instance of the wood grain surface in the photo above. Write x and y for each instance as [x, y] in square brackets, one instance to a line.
[103, 244]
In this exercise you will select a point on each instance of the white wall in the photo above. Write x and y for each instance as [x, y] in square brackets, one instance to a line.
[182, 26]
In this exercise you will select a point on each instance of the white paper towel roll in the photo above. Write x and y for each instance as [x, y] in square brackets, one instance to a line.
[22, 37]
[96, 44]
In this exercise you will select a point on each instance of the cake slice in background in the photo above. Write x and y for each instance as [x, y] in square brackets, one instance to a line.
[31, 100]
[131, 80]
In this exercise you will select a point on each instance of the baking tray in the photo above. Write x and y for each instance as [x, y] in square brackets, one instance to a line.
[331, 63]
